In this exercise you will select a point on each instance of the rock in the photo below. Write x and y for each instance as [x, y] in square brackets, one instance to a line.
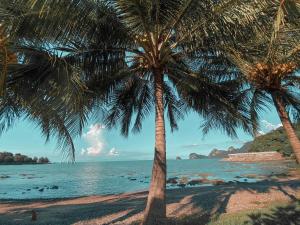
[4, 176]
[183, 180]
[28, 190]
[172, 180]
[41, 190]
[132, 179]
[178, 158]
[218, 182]
[216, 153]
[198, 181]
[197, 156]
[54, 187]
[246, 147]
[181, 185]
[231, 149]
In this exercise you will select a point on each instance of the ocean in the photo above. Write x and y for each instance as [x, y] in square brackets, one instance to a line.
[63, 180]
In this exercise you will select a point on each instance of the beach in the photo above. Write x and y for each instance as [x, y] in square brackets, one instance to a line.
[202, 203]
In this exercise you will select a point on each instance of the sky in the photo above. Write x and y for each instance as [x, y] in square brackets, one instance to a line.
[100, 144]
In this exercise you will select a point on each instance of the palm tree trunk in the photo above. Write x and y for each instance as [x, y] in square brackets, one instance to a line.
[287, 125]
[155, 212]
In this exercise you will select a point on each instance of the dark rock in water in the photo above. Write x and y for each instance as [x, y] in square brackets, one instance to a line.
[41, 190]
[197, 156]
[132, 179]
[217, 182]
[178, 158]
[172, 180]
[28, 190]
[4, 176]
[23, 193]
[54, 187]
[198, 181]
[238, 177]
[245, 179]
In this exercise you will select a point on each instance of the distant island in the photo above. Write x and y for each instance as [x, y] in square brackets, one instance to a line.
[273, 141]
[8, 158]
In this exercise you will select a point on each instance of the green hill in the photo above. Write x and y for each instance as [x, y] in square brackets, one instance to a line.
[274, 141]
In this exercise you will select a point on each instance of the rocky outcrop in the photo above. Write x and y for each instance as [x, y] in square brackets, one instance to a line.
[178, 158]
[215, 153]
[197, 156]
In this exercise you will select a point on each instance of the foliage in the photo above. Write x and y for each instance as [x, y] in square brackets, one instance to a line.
[10, 158]
[274, 141]
[268, 62]
[102, 54]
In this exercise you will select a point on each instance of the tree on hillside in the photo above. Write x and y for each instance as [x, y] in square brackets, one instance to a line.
[270, 63]
[134, 57]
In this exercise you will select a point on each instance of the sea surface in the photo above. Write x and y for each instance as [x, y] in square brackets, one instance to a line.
[62, 180]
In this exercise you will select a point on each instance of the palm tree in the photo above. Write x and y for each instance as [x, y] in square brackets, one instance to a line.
[37, 85]
[135, 56]
[269, 63]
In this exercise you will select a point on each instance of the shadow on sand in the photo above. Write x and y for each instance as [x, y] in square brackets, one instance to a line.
[204, 202]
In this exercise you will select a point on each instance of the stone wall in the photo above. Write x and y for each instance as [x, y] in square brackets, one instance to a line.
[254, 157]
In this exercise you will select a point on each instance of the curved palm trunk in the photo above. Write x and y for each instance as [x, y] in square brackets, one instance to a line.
[155, 212]
[287, 125]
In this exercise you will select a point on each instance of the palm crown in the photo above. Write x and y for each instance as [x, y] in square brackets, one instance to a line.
[269, 63]
[129, 57]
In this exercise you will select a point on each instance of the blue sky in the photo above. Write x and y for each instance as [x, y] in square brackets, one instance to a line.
[100, 144]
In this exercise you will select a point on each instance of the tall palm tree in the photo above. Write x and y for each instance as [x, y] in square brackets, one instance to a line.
[136, 56]
[269, 63]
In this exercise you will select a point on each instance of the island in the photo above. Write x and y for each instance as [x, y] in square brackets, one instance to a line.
[271, 146]
[8, 158]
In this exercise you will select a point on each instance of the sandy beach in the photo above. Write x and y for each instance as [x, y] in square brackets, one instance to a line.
[204, 202]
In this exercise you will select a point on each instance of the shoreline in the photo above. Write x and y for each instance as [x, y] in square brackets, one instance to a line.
[127, 208]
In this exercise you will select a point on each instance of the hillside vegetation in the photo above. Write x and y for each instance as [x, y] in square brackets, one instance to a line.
[8, 158]
[274, 141]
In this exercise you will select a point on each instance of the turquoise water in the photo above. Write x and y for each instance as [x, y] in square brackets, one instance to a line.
[81, 179]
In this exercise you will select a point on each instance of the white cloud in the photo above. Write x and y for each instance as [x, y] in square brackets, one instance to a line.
[94, 137]
[269, 126]
[113, 152]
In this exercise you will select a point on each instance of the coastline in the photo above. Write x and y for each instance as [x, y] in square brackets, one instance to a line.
[127, 208]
